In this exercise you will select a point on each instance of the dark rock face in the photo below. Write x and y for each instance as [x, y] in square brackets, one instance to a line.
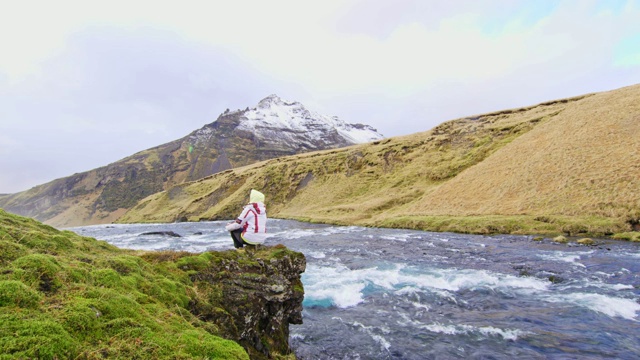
[259, 292]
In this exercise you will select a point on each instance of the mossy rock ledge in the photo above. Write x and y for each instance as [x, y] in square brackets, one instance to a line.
[258, 291]
[65, 296]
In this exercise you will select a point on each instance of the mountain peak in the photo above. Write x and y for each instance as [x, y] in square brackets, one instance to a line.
[272, 100]
[278, 120]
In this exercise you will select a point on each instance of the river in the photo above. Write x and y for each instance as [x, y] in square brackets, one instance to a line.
[374, 293]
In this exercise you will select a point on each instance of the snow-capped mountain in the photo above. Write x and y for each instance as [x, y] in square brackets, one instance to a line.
[276, 124]
[273, 128]
[274, 115]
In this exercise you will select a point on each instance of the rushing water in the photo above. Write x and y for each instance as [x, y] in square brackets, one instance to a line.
[402, 294]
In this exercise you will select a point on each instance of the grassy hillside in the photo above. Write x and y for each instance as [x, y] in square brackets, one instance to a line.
[567, 166]
[585, 162]
[102, 195]
[63, 296]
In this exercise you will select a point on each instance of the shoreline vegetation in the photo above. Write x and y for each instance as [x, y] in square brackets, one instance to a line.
[515, 225]
[566, 167]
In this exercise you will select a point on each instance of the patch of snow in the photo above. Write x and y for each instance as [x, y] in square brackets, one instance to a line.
[274, 117]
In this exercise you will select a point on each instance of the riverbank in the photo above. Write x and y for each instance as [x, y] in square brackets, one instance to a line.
[67, 296]
[549, 226]
[379, 293]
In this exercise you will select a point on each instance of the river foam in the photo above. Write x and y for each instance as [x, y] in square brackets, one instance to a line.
[607, 305]
[402, 294]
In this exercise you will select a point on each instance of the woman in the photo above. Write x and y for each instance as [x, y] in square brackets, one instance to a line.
[250, 227]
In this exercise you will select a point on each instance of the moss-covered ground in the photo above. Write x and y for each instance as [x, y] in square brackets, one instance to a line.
[64, 296]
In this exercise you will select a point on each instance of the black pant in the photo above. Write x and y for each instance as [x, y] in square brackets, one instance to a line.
[236, 235]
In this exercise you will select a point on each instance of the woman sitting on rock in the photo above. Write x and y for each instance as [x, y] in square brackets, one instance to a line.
[250, 227]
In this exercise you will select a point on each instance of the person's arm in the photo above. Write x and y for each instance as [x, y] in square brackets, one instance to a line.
[244, 216]
[239, 222]
[233, 226]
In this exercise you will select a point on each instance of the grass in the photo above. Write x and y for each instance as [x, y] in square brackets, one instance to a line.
[630, 236]
[514, 224]
[66, 296]
[562, 167]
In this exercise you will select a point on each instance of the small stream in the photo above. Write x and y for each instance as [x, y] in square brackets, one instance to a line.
[375, 293]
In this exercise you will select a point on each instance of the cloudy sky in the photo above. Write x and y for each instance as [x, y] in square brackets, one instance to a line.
[86, 83]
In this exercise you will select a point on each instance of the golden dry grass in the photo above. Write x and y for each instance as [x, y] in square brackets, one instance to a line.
[585, 161]
[569, 166]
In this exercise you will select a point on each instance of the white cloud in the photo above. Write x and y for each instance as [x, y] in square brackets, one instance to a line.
[120, 76]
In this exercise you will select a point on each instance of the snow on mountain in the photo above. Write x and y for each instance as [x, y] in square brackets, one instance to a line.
[277, 118]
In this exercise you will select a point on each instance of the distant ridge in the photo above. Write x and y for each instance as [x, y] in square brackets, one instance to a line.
[274, 128]
[567, 166]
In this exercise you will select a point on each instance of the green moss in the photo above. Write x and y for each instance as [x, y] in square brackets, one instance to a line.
[200, 344]
[10, 251]
[113, 303]
[15, 293]
[169, 292]
[39, 271]
[81, 317]
[44, 242]
[107, 278]
[30, 335]
[194, 263]
[79, 272]
[278, 252]
[76, 297]
[127, 264]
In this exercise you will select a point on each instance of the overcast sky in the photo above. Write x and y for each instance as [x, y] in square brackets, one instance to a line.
[86, 83]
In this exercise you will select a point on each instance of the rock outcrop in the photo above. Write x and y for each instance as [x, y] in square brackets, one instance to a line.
[261, 293]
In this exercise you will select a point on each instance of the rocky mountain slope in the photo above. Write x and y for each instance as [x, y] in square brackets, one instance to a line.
[274, 128]
[566, 166]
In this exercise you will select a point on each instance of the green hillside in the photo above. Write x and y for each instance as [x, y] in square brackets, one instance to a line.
[102, 195]
[63, 296]
[566, 166]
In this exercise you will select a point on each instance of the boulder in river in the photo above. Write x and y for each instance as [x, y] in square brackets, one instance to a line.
[164, 233]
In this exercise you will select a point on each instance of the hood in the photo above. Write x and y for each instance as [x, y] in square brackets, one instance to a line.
[256, 197]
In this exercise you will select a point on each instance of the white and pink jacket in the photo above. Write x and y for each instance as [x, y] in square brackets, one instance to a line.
[253, 220]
